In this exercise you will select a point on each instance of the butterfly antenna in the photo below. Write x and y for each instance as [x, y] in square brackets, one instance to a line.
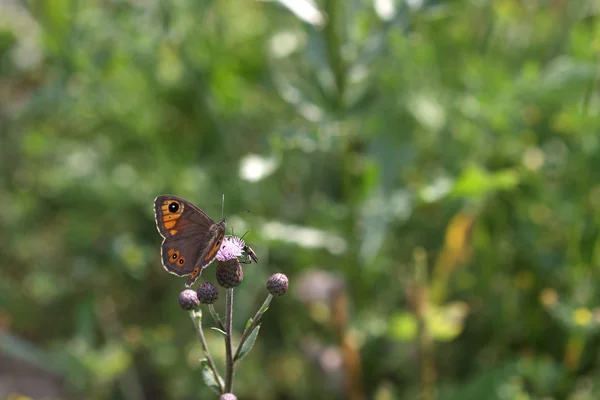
[244, 234]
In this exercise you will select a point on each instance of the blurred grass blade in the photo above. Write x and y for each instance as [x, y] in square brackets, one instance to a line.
[385, 9]
[305, 10]
[27, 352]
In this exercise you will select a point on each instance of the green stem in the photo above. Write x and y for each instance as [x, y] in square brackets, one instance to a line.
[252, 325]
[216, 317]
[228, 347]
[197, 318]
[334, 40]
[424, 338]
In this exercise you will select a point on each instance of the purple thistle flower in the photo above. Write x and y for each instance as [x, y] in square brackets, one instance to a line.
[232, 247]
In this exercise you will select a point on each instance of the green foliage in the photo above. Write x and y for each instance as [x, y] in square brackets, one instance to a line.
[218, 330]
[209, 377]
[426, 154]
[248, 344]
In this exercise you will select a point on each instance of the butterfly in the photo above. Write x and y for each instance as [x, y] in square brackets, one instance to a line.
[191, 238]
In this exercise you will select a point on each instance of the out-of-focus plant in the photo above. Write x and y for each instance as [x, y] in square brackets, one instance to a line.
[362, 136]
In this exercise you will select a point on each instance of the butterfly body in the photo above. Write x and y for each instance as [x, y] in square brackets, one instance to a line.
[191, 238]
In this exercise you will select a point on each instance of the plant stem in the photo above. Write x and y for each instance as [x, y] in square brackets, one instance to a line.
[428, 375]
[197, 318]
[334, 40]
[216, 317]
[252, 325]
[228, 348]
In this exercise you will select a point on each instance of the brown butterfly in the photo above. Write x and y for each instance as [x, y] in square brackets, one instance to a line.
[191, 238]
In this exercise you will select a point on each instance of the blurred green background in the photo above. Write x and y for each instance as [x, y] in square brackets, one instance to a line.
[422, 170]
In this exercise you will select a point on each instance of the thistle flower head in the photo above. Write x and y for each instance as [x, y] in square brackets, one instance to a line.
[277, 284]
[232, 247]
[188, 300]
[207, 293]
[228, 396]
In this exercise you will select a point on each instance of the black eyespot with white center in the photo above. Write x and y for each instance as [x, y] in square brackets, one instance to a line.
[173, 207]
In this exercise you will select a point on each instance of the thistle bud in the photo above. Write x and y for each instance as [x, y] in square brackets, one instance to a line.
[229, 273]
[188, 300]
[277, 284]
[207, 293]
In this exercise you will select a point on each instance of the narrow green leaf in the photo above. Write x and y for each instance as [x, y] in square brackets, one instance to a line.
[209, 378]
[248, 344]
[214, 328]
[248, 323]
[264, 310]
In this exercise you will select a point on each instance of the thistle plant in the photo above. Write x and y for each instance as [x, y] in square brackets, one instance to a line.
[229, 274]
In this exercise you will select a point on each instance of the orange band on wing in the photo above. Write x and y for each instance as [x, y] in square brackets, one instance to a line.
[173, 232]
[170, 224]
[213, 251]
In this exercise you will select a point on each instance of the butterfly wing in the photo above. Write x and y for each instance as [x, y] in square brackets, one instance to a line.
[191, 238]
[177, 218]
[208, 250]
[179, 256]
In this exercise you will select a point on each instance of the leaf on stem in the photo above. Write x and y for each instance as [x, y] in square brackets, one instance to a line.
[209, 378]
[248, 344]
[248, 324]
[214, 328]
